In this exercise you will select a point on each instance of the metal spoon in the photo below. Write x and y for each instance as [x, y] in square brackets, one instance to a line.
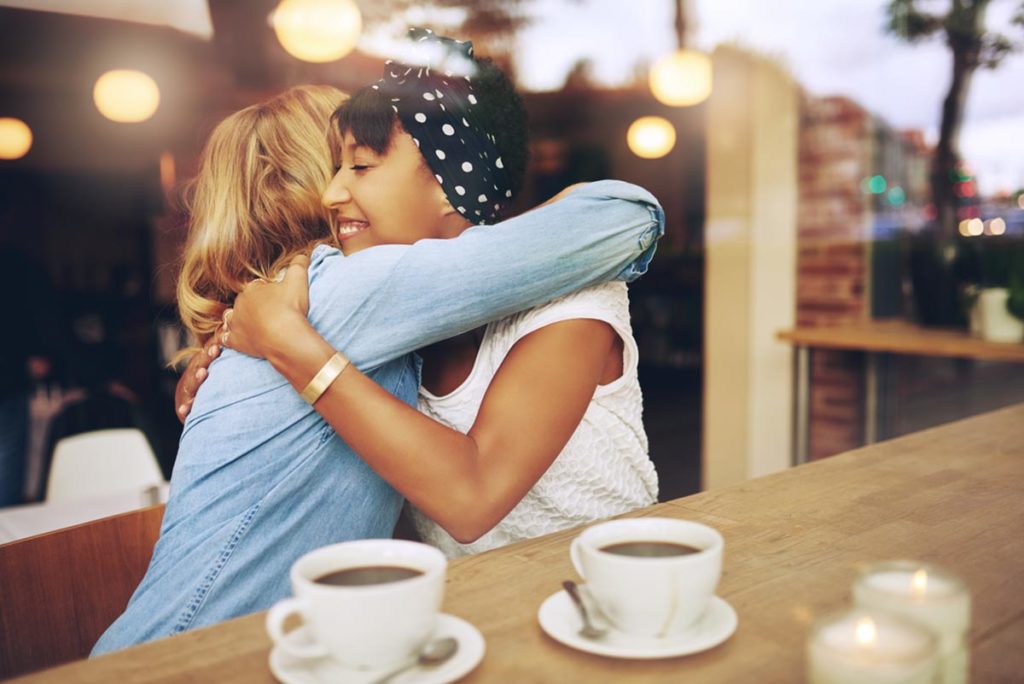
[433, 654]
[589, 629]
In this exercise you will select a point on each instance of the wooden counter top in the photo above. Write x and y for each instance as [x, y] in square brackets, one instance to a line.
[900, 337]
[953, 496]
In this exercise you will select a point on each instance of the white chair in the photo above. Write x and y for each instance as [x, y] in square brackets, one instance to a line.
[99, 463]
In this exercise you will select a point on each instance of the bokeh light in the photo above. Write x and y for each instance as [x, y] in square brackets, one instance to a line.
[126, 96]
[681, 78]
[967, 188]
[975, 227]
[651, 137]
[168, 172]
[997, 226]
[896, 196]
[1020, 201]
[877, 184]
[317, 30]
[15, 138]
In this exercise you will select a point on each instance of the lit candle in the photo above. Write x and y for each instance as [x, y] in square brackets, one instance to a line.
[865, 646]
[931, 596]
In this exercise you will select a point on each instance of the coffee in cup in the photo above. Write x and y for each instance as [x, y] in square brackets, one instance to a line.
[365, 576]
[367, 604]
[650, 549]
[652, 577]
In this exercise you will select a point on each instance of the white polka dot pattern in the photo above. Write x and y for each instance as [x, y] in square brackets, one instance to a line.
[416, 93]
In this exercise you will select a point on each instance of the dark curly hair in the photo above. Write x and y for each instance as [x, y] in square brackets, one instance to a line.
[368, 116]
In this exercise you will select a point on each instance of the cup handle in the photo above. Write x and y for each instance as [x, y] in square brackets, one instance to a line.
[280, 612]
[574, 556]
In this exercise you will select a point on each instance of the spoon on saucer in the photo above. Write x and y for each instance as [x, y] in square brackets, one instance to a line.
[433, 654]
[589, 629]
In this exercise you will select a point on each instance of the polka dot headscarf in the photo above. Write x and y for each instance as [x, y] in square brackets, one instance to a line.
[433, 96]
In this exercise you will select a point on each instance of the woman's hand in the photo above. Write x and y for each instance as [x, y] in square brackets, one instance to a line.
[194, 375]
[266, 312]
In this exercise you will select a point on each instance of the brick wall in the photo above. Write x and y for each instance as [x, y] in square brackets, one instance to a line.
[832, 263]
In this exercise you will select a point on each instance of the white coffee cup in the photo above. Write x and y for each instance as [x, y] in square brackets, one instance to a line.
[650, 596]
[369, 625]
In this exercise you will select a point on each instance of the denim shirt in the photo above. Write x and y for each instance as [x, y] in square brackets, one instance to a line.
[261, 478]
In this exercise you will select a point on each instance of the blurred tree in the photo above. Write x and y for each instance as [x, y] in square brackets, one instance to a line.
[581, 76]
[492, 25]
[962, 23]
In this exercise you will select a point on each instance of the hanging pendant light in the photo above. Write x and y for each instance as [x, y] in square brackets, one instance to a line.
[126, 95]
[651, 137]
[15, 138]
[317, 30]
[681, 78]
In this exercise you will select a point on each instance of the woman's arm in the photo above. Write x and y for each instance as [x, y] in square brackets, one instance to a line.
[384, 302]
[394, 299]
[465, 482]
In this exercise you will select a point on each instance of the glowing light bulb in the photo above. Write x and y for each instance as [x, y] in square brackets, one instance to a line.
[919, 583]
[126, 96]
[681, 78]
[865, 632]
[317, 30]
[651, 137]
[15, 138]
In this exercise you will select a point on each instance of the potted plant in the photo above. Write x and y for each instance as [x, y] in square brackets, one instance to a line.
[1000, 294]
[937, 256]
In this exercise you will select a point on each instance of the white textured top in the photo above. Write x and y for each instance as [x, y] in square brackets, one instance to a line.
[603, 470]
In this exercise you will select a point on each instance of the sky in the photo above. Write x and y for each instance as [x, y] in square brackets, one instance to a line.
[832, 47]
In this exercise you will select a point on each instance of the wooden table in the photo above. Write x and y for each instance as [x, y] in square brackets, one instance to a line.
[794, 540]
[877, 339]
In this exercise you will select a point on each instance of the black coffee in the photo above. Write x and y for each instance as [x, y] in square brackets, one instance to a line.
[650, 549]
[375, 574]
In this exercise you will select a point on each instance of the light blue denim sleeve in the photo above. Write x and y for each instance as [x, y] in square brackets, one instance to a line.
[436, 289]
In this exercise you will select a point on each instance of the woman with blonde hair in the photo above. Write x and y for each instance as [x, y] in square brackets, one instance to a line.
[256, 200]
[254, 204]
[260, 477]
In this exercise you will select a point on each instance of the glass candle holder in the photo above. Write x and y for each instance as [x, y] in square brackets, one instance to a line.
[926, 594]
[860, 646]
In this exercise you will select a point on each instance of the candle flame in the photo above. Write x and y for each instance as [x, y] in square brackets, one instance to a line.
[919, 583]
[866, 633]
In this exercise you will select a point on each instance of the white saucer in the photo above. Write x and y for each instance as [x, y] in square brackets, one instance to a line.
[291, 670]
[561, 621]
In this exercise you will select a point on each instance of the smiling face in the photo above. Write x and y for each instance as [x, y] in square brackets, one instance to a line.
[389, 198]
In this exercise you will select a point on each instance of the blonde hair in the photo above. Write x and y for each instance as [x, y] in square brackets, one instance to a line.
[255, 202]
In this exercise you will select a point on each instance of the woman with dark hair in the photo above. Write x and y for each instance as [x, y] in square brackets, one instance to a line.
[260, 478]
[528, 425]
